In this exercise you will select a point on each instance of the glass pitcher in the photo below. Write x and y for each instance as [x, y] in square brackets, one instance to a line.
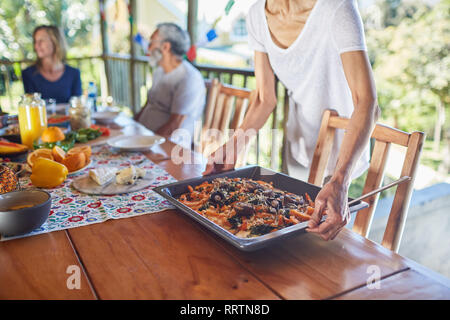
[80, 114]
[32, 118]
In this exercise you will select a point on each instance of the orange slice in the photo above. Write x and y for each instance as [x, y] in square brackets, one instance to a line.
[52, 134]
[58, 154]
[74, 161]
[82, 149]
[39, 153]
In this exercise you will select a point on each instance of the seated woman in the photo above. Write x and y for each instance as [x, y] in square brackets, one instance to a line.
[50, 76]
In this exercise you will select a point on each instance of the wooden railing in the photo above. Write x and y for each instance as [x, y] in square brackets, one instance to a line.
[112, 74]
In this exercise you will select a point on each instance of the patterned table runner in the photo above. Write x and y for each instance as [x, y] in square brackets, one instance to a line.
[71, 208]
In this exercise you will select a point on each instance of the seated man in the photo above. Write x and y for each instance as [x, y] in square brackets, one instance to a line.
[177, 96]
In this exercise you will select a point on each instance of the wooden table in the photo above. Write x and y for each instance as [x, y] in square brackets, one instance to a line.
[166, 255]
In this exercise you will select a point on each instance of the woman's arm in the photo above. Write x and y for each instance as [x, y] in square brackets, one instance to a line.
[260, 109]
[265, 100]
[333, 196]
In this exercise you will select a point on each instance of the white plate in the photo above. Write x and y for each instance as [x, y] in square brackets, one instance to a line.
[105, 116]
[135, 143]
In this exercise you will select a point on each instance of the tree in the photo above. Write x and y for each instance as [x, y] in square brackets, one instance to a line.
[411, 63]
[18, 18]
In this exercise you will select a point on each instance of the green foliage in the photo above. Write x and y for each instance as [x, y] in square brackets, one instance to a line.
[77, 19]
[411, 62]
[20, 17]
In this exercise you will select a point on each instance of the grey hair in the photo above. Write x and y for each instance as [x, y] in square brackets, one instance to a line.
[177, 37]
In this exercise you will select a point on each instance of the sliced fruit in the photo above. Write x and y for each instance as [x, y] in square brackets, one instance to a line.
[83, 149]
[74, 161]
[58, 154]
[11, 147]
[52, 134]
[39, 153]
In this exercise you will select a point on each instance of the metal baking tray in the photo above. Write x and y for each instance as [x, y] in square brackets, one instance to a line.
[280, 181]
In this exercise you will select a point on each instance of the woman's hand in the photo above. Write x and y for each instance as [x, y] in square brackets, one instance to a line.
[217, 162]
[332, 202]
[225, 157]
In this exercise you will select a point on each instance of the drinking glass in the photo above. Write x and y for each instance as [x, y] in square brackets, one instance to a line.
[32, 118]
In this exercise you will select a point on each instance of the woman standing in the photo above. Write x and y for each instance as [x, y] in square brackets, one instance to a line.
[50, 76]
[317, 50]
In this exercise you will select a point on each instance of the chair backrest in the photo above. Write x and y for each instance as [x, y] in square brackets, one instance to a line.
[384, 136]
[225, 109]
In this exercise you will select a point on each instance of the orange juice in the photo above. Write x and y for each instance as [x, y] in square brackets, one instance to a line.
[32, 119]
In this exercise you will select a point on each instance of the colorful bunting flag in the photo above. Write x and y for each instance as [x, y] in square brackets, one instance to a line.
[142, 42]
[229, 6]
[192, 53]
[211, 35]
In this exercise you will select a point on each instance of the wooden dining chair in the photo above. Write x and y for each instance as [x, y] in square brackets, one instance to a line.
[225, 110]
[384, 136]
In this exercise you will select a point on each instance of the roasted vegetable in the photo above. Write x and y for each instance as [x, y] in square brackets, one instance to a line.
[244, 209]
[235, 221]
[217, 197]
[261, 229]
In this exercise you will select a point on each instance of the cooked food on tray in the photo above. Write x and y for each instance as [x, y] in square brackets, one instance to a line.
[247, 208]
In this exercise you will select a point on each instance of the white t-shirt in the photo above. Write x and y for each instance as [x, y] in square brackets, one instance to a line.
[312, 71]
[181, 91]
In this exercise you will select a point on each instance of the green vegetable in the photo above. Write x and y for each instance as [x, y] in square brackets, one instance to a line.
[81, 135]
[71, 136]
[65, 145]
[261, 229]
[86, 134]
[235, 221]
[82, 138]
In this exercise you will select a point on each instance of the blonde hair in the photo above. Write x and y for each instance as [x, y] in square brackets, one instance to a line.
[57, 38]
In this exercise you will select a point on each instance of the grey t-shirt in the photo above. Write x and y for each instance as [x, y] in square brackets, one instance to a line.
[181, 91]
